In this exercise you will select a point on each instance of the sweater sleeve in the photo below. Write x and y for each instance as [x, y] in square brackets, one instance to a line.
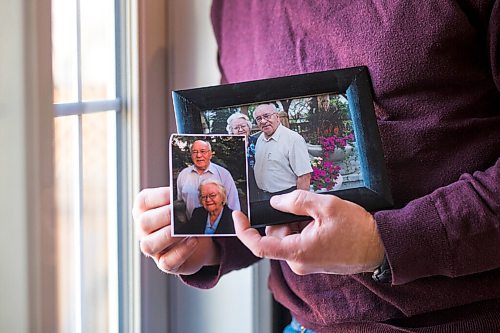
[453, 231]
[234, 256]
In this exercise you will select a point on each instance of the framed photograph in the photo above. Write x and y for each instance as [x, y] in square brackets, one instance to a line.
[316, 132]
[209, 181]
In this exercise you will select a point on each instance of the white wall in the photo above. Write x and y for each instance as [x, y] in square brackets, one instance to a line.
[26, 280]
[13, 243]
[192, 48]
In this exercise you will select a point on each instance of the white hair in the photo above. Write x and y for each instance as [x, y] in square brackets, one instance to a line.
[235, 116]
[275, 109]
[220, 187]
[206, 142]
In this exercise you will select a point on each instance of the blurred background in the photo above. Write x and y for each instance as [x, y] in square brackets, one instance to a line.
[85, 116]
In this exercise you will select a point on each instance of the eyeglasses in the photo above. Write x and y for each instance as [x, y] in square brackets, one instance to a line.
[206, 197]
[241, 127]
[265, 116]
[202, 152]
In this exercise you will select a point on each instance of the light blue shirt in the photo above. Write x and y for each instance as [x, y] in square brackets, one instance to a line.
[209, 228]
[189, 180]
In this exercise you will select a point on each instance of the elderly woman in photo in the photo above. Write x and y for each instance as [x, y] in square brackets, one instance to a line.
[239, 124]
[214, 217]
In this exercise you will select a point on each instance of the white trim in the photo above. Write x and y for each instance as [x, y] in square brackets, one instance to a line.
[131, 289]
[130, 292]
[69, 109]
[112, 204]
[78, 226]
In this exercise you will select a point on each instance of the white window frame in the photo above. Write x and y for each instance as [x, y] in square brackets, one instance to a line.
[126, 108]
[27, 250]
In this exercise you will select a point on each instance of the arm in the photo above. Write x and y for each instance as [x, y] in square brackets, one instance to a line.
[233, 201]
[454, 231]
[179, 187]
[300, 162]
[458, 226]
[304, 182]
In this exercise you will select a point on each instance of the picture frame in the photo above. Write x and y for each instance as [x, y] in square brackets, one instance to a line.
[331, 111]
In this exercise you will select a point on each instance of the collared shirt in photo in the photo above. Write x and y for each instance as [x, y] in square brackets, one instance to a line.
[280, 160]
[189, 180]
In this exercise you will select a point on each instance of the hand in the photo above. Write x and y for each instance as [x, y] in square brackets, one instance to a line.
[342, 238]
[175, 255]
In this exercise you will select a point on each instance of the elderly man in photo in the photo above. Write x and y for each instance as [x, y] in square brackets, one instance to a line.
[281, 159]
[190, 178]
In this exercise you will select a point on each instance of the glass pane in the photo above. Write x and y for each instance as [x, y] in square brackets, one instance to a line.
[98, 49]
[67, 200]
[64, 51]
[99, 258]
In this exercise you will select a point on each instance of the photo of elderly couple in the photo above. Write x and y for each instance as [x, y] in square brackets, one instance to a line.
[209, 182]
[305, 143]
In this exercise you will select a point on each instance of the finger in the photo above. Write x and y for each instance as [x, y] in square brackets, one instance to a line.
[301, 268]
[284, 230]
[241, 222]
[150, 198]
[265, 246]
[158, 241]
[279, 231]
[152, 220]
[301, 202]
[177, 255]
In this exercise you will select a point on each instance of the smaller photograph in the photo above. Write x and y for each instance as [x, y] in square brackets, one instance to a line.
[208, 176]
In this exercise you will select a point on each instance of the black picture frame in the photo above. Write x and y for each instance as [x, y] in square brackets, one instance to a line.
[373, 192]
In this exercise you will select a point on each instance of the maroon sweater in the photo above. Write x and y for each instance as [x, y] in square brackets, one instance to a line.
[435, 69]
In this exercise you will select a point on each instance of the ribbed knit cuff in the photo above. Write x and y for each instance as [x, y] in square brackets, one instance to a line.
[233, 255]
[415, 241]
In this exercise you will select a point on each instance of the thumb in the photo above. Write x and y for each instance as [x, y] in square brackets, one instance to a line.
[264, 246]
[300, 202]
[241, 222]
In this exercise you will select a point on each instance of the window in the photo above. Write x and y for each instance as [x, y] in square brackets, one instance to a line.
[90, 172]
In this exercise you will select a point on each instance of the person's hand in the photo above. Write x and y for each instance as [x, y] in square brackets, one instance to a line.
[342, 237]
[175, 255]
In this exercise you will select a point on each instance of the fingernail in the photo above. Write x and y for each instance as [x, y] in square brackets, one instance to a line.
[275, 200]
